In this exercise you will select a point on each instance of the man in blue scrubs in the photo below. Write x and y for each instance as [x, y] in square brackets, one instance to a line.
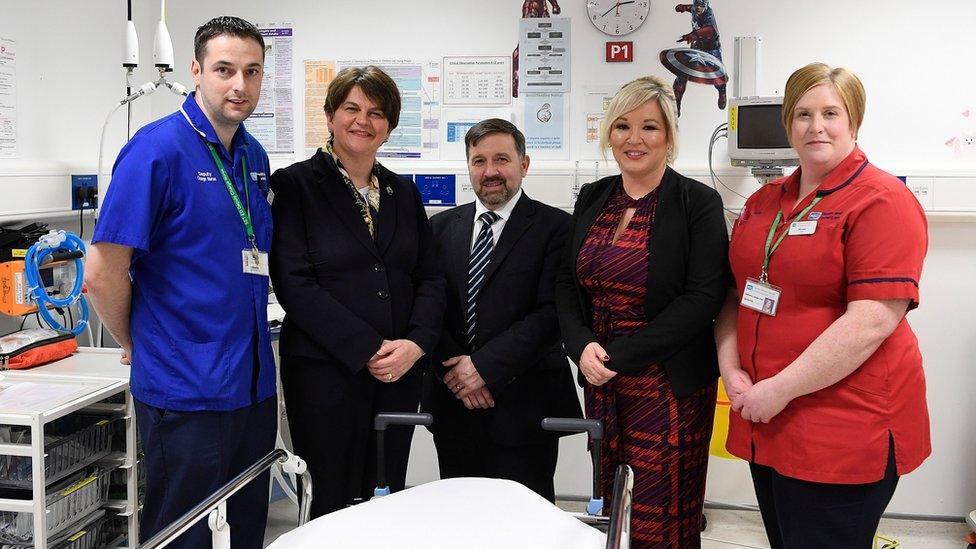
[177, 271]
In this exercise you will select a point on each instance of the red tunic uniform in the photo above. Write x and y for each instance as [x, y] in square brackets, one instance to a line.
[869, 243]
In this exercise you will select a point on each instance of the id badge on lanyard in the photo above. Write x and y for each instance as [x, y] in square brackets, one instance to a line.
[759, 295]
[253, 260]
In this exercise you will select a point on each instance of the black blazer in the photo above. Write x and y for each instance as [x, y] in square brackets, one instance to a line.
[345, 292]
[686, 284]
[518, 351]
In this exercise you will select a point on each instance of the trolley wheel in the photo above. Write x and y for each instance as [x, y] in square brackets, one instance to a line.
[704, 522]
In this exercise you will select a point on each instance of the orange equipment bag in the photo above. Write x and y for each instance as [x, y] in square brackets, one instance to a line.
[34, 347]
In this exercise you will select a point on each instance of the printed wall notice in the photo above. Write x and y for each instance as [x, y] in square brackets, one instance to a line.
[417, 134]
[545, 125]
[455, 123]
[273, 121]
[318, 74]
[482, 81]
[596, 99]
[544, 55]
[8, 98]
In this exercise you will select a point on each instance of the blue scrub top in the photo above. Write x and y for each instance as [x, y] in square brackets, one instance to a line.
[195, 313]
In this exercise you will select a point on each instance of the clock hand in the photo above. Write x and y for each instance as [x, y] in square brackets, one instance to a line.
[611, 9]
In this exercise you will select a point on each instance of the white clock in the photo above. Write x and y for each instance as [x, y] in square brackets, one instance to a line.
[617, 17]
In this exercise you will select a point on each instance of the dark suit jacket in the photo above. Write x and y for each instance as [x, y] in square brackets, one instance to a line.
[518, 351]
[345, 292]
[686, 284]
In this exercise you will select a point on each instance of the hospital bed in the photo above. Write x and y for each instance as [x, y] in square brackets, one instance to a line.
[470, 512]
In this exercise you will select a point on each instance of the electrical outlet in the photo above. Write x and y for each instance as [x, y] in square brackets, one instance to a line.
[922, 188]
[84, 192]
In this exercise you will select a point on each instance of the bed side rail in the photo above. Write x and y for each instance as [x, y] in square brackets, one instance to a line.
[215, 506]
[618, 534]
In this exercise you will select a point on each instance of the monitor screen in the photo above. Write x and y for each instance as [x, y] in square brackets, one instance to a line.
[761, 127]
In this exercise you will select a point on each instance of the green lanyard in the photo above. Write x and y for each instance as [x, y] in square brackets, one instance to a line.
[245, 214]
[771, 247]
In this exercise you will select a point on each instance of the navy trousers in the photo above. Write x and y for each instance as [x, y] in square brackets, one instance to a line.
[190, 455]
[799, 514]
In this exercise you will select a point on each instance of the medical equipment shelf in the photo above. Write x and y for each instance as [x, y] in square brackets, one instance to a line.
[68, 503]
[81, 441]
[88, 535]
[89, 382]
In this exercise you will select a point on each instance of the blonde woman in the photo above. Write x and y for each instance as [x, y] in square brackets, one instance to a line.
[644, 278]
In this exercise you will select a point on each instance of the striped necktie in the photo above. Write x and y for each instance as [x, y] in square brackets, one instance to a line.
[480, 256]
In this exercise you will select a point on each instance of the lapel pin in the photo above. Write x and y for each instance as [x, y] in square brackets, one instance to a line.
[389, 191]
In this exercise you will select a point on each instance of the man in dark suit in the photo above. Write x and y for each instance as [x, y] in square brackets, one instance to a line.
[499, 367]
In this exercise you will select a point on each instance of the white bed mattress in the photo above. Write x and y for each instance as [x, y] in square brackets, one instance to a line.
[469, 513]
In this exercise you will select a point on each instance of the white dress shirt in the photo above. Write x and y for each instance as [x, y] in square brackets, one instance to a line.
[496, 228]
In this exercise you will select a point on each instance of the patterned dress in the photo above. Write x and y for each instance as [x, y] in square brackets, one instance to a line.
[663, 439]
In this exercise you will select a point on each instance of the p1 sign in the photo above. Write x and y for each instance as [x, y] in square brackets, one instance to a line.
[620, 52]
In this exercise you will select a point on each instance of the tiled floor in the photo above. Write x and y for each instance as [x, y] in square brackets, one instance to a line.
[726, 529]
[731, 529]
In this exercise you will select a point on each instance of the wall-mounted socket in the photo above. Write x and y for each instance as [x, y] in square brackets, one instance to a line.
[923, 189]
[84, 192]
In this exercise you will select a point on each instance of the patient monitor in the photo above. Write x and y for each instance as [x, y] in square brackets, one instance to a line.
[757, 138]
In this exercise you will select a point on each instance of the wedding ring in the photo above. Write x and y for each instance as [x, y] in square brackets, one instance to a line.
[389, 377]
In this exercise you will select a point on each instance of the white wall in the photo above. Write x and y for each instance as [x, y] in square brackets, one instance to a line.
[907, 53]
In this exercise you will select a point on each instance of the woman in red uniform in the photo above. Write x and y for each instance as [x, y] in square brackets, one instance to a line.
[644, 278]
[823, 370]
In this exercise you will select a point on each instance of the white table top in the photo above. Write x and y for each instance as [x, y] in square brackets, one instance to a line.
[61, 387]
[88, 362]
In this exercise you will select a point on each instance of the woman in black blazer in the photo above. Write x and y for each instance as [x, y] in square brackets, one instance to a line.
[351, 265]
[644, 278]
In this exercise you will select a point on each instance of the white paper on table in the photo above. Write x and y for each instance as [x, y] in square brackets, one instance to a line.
[30, 396]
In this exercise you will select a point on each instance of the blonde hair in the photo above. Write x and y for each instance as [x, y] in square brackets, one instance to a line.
[633, 95]
[845, 82]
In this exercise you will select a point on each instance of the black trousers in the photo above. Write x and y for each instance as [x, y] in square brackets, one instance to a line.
[531, 465]
[799, 514]
[189, 455]
[330, 416]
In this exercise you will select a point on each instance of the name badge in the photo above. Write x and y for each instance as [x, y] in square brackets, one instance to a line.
[255, 262]
[801, 228]
[761, 296]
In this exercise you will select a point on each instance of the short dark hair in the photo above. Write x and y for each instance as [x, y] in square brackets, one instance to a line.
[376, 84]
[490, 126]
[219, 26]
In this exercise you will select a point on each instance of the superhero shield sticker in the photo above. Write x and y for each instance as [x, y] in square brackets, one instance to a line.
[689, 64]
[697, 66]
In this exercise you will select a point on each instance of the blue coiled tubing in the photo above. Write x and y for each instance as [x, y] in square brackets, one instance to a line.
[51, 243]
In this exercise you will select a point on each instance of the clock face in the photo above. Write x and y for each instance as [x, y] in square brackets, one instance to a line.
[617, 17]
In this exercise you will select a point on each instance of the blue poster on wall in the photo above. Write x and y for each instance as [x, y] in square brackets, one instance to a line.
[437, 189]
